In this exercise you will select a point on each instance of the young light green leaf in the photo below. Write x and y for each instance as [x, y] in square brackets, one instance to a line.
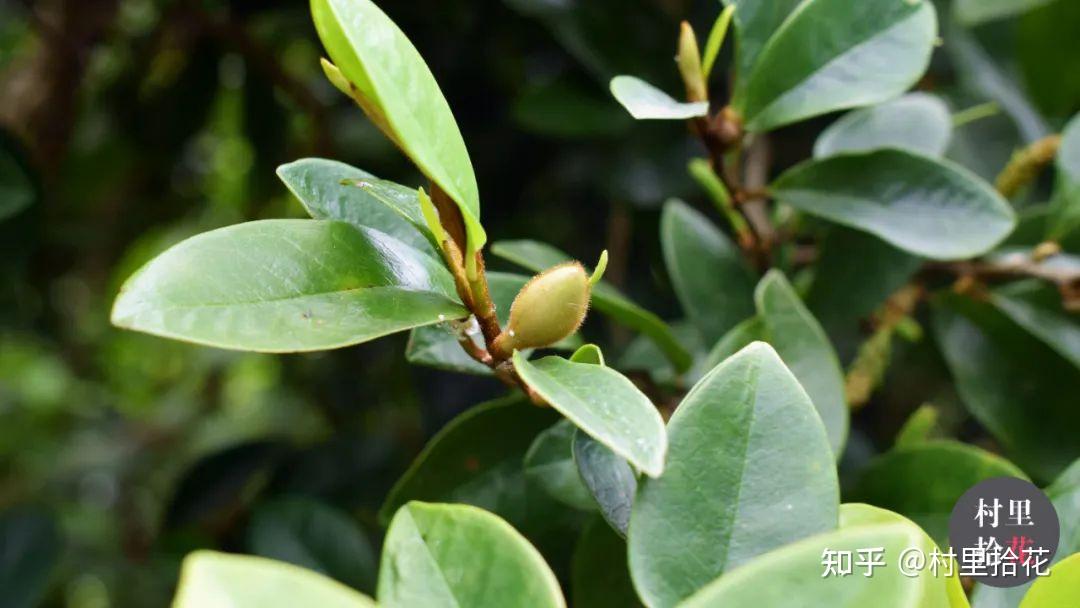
[589, 353]
[598, 574]
[918, 122]
[976, 12]
[924, 481]
[805, 349]
[645, 102]
[1034, 419]
[927, 207]
[457, 555]
[755, 23]
[609, 479]
[538, 256]
[750, 469]
[208, 578]
[1058, 589]
[549, 463]
[832, 54]
[314, 536]
[1036, 307]
[717, 35]
[30, 550]
[1066, 205]
[919, 428]
[287, 286]
[603, 403]
[710, 276]
[389, 73]
[331, 190]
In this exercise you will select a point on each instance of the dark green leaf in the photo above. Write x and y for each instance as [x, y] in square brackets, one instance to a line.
[208, 578]
[314, 536]
[30, 548]
[458, 555]
[286, 286]
[710, 276]
[610, 480]
[1037, 308]
[549, 463]
[750, 469]
[603, 403]
[832, 54]
[599, 578]
[755, 23]
[975, 12]
[930, 208]
[918, 122]
[644, 101]
[1066, 209]
[388, 72]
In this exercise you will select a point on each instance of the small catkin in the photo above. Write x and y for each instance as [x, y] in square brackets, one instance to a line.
[548, 308]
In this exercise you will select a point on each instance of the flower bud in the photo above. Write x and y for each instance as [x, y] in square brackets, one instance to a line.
[548, 308]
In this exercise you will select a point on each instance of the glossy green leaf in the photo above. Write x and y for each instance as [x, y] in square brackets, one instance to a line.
[1066, 206]
[17, 189]
[645, 102]
[599, 577]
[710, 276]
[314, 536]
[976, 12]
[805, 349]
[755, 23]
[919, 428]
[918, 122]
[749, 470]
[1057, 590]
[589, 353]
[1036, 306]
[30, 549]
[458, 555]
[927, 207]
[924, 481]
[389, 73]
[549, 463]
[610, 480]
[286, 286]
[538, 256]
[831, 54]
[332, 190]
[795, 571]
[603, 403]
[1023, 392]
[208, 579]
[1064, 493]
[437, 345]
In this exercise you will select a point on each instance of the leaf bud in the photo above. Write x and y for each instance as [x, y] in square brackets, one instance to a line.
[689, 60]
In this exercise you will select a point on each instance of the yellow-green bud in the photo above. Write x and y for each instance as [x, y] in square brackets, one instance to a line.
[689, 60]
[548, 308]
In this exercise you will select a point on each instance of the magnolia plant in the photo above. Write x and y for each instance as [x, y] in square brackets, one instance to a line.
[714, 472]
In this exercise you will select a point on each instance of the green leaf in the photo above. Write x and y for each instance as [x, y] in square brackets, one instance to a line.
[742, 335]
[927, 207]
[30, 549]
[749, 470]
[610, 480]
[459, 555]
[919, 428]
[1023, 392]
[924, 481]
[710, 276]
[17, 187]
[805, 349]
[1058, 589]
[208, 578]
[831, 55]
[795, 571]
[1066, 206]
[1037, 308]
[538, 257]
[755, 23]
[599, 578]
[918, 122]
[331, 190]
[603, 403]
[976, 12]
[286, 286]
[589, 353]
[314, 536]
[437, 345]
[645, 102]
[549, 463]
[389, 73]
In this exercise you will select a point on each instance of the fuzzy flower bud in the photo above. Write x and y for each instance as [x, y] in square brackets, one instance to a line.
[548, 308]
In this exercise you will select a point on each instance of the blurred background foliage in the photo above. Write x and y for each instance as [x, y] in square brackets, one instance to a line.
[131, 124]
